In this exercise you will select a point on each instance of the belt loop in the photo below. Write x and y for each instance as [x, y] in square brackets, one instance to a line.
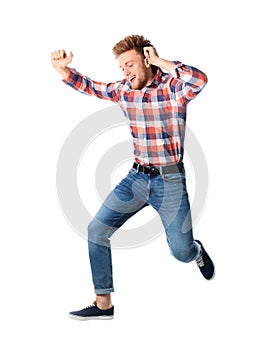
[138, 167]
[161, 170]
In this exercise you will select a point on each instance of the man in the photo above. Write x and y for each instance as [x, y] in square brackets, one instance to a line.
[153, 95]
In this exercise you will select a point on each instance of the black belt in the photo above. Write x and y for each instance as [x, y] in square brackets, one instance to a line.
[166, 169]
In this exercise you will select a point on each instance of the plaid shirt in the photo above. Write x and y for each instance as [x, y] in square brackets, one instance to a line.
[157, 113]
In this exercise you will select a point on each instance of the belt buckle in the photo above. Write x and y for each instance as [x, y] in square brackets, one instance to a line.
[154, 170]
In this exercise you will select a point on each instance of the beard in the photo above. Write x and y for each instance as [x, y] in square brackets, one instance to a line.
[139, 84]
[140, 81]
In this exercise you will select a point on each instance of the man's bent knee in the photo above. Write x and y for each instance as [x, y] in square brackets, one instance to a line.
[100, 233]
[184, 256]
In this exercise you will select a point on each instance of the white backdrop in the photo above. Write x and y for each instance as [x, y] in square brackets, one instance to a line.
[44, 263]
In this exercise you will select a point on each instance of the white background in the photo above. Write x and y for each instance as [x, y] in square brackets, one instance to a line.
[160, 303]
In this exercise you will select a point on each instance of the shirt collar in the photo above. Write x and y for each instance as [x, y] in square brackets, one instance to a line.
[157, 78]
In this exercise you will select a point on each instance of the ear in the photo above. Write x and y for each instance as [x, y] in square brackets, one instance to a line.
[146, 62]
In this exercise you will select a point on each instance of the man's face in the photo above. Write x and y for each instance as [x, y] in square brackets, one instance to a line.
[135, 69]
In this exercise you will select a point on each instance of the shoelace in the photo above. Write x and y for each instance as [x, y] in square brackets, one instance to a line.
[200, 261]
[90, 306]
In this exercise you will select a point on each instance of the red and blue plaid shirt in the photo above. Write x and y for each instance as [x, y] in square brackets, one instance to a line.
[156, 113]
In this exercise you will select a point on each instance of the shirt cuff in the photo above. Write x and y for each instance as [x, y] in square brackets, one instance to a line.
[175, 72]
[70, 77]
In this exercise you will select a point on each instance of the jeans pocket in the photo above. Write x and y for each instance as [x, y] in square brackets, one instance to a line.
[133, 171]
[174, 177]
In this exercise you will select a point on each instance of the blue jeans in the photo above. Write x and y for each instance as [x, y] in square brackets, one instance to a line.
[167, 194]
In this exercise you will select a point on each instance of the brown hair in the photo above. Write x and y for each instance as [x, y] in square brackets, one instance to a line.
[132, 42]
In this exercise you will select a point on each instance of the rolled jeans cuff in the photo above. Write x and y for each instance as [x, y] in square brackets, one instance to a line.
[198, 247]
[104, 291]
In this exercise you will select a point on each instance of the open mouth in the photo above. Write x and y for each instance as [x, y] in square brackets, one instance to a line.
[132, 79]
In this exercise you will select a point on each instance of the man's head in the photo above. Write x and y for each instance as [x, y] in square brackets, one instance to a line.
[130, 54]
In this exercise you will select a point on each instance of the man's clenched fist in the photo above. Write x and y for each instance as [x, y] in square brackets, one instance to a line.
[60, 59]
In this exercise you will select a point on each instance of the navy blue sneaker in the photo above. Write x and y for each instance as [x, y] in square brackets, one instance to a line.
[92, 312]
[205, 263]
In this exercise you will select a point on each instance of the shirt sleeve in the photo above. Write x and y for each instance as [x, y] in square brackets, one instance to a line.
[187, 81]
[88, 86]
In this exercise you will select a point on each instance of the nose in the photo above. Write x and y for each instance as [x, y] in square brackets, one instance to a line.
[126, 72]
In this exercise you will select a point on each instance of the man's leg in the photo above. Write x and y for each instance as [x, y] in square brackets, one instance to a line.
[100, 252]
[171, 200]
[124, 201]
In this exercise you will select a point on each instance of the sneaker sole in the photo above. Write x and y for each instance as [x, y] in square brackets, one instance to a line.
[80, 318]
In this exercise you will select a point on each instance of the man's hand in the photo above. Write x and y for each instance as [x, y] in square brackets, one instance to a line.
[60, 61]
[151, 57]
